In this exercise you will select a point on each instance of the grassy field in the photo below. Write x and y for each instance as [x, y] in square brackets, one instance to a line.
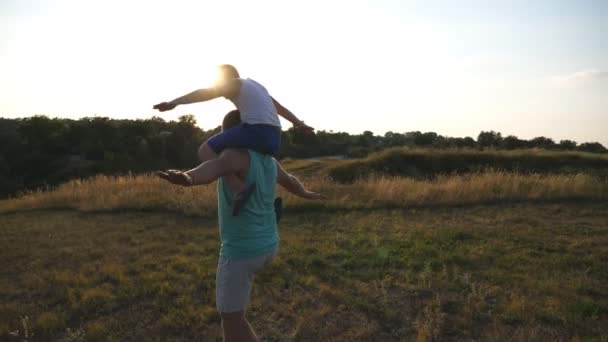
[510, 272]
[490, 256]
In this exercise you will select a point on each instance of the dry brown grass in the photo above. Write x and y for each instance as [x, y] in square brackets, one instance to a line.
[102, 193]
[484, 187]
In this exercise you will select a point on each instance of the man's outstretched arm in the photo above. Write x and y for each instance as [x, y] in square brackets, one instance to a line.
[293, 185]
[234, 161]
[231, 161]
[228, 89]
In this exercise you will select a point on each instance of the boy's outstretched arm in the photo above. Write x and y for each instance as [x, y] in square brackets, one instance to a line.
[293, 185]
[227, 89]
[289, 116]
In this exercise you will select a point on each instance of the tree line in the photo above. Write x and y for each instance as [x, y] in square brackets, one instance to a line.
[40, 151]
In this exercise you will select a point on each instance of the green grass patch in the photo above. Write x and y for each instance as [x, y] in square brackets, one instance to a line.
[497, 272]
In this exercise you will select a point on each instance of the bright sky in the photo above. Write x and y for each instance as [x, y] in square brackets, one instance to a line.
[527, 68]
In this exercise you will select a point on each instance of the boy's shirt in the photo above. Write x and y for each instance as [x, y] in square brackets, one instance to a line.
[255, 104]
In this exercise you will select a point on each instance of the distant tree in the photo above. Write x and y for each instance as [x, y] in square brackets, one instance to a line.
[421, 139]
[542, 142]
[469, 142]
[367, 139]
[13, 152]
[187, 119]
[460, 142]
[512, 142]
[441, 142]
[333, 143]
[394, 139]
[427, 139]
[412, 138]
[594, 147]
[44, 134]
[567, 145]
[489, 139]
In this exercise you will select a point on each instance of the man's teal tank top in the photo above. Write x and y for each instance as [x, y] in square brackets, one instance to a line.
[254, 231]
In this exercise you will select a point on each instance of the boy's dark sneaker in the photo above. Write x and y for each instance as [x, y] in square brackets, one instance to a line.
[241, 198]
[278, 208]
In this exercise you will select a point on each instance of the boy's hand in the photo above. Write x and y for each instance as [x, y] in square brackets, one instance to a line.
[301, 126]
[164, 106]
[175, 177]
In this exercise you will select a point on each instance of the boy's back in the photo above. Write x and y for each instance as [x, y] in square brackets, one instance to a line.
[255, 104]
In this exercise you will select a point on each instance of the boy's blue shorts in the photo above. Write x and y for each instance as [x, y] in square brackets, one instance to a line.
[265, 139]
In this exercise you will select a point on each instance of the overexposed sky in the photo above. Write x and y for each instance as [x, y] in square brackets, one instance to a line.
[527, 68]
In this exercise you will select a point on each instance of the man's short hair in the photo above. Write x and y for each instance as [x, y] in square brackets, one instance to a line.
[232, 119]
[228, 71]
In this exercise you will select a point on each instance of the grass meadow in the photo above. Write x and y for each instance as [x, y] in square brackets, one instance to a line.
[488, 255]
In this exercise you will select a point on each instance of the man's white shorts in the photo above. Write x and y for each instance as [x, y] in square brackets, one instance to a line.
[234, 280]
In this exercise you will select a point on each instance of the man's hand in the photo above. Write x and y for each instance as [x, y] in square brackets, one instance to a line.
[301, 126]
[164, 106]
[175, 177]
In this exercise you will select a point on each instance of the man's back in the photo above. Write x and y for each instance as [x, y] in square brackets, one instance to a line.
[254, 231]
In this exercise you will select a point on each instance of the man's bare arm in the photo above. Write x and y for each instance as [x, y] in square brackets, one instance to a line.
[230, 161]
[234, 161]
[228, 89]
[289, 116]
[293, 184]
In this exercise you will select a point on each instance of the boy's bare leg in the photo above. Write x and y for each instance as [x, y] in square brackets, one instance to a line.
[236, 185]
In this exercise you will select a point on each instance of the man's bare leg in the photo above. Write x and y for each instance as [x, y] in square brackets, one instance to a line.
[236, 328]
